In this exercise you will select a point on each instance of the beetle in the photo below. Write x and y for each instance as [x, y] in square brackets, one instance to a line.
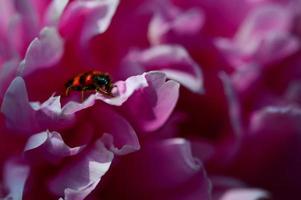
[90, 81]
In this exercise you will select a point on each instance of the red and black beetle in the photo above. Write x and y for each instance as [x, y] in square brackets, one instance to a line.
[90, 81]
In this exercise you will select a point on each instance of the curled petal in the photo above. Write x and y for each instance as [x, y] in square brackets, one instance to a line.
[88, 18]
[23, 116]
[150, 107]
[119, 136]
[15, 106]
[287, 118]
[167, 166]
[77, 179]
[174, 61]
[124, 90]
[48, 146]
[43, 52]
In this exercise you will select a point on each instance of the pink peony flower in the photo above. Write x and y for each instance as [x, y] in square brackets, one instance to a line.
[206, 103]
[55, 146]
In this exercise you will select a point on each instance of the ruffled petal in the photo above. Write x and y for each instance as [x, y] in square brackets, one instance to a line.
[77, 179]
[87, 18]
[118, 135]
[43, 52]
[263, 37]
[150, 107]
[175, 21]
[174, 61]
[160, 170]
[124, 90]
[48, 146]
[29, 118]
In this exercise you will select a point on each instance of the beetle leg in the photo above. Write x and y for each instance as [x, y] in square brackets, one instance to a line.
[104, 92]
[67, 91]
[82, 95]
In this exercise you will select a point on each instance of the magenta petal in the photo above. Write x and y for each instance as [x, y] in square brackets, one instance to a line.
[160, 170]
[48, 146]
[119, 136]
[79, 178]
[174, 61]
[15, 175]
[88, 18]
[287, 120]
[43, 52]
[152, 106]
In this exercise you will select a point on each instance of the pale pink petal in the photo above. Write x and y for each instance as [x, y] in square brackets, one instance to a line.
[173, 20]
[174, 61]
[245, 194]
[234, 107]
[43, 52]
[263, 37]
[87, 18]
[26, 117]
[226, 188]
[16, 108]
[160, 170]
[54, 12]
[15, 176]
[8, 72]
[150, 107]
[48, 146]
[78, 178]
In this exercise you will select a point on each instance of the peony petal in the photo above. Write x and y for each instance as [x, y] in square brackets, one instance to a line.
[119, 136]
[174, 61]
[43, 52]
[8, 72]
[48, 146]
[15, 176]
[168, 169]
[173, 20]
[89, 18]
[234, 107]
[245, 194]
[125, 90]
[263, 21]
[151, 107]
[26, 117]
[263, 37]
[79, 178]
[54, 12]
[15, 106]
[287, 118]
